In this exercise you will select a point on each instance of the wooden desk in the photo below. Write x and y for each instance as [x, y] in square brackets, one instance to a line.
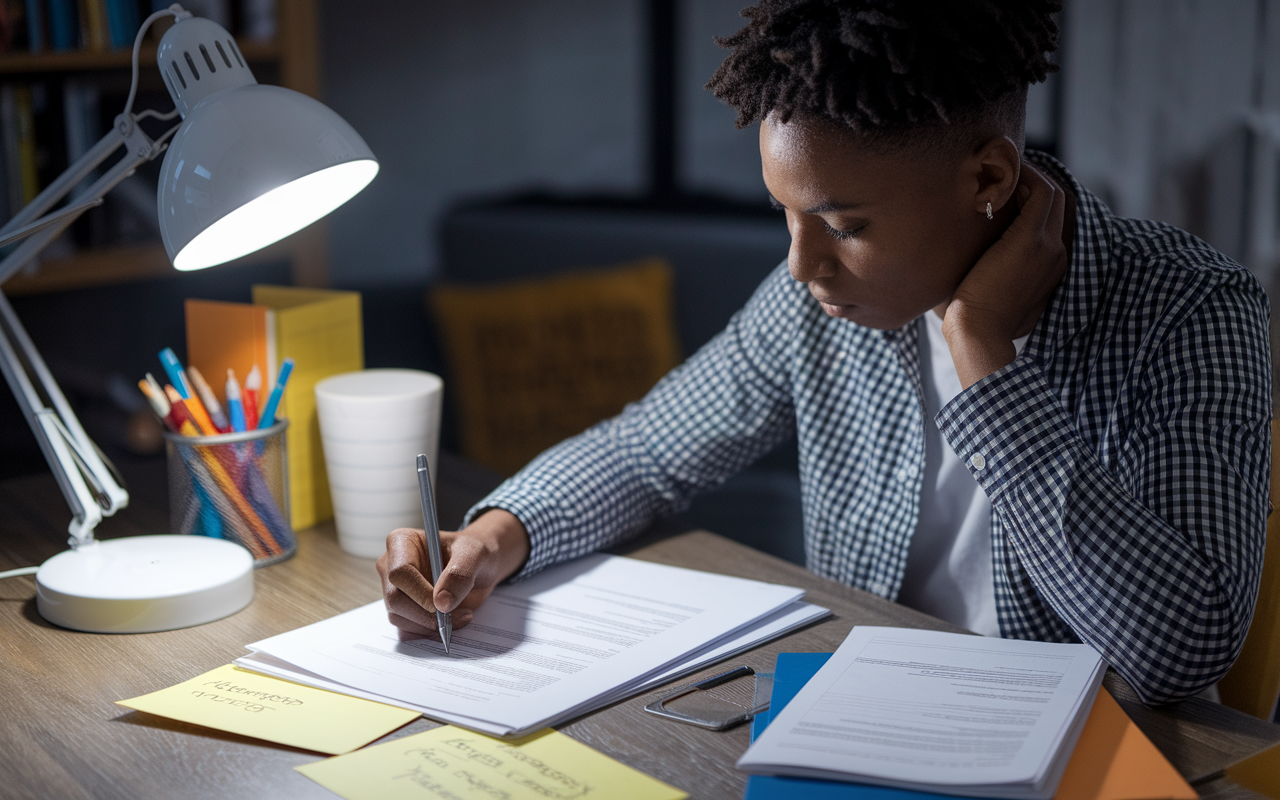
[62, 736]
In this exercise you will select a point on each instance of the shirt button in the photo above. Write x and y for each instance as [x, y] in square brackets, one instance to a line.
[977, 461]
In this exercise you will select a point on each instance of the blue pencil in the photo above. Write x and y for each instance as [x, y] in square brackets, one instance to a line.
[177, 375]
[268, 416]
[234, 407]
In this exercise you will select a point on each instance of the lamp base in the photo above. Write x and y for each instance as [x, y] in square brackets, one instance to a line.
[141, 584]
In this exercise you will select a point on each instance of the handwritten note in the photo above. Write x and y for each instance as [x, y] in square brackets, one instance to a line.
[456, 764]
[237, 701]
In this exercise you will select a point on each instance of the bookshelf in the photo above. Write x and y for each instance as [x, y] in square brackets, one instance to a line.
[93, 60]
[294, 55]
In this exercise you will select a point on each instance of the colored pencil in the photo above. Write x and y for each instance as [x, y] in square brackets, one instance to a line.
[252, 386]
[268, 417]
[235, 408]
[210, 400]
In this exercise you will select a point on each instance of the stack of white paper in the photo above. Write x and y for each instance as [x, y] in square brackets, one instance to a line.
[572, 639]
[933, 711]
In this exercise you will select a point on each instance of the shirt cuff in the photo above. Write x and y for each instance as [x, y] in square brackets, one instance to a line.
[1007, 425]
[534, 512]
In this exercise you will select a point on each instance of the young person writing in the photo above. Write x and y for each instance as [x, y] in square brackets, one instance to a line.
[1014, 410]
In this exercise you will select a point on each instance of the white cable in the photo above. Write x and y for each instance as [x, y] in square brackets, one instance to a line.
[178, 13]
[152, 113]
[13, 573]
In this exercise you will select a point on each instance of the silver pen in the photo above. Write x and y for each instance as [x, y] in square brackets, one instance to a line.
[444, 621]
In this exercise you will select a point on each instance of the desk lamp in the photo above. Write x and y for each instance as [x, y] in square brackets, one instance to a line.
[246, 166]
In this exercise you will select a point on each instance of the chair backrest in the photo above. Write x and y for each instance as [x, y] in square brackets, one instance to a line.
[534, 362]
[1253, 684]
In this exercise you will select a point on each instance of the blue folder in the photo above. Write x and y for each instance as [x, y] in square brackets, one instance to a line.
[792, 672]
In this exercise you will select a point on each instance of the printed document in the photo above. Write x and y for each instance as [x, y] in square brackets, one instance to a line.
[933, 711]
[792, 617]
[541, 651]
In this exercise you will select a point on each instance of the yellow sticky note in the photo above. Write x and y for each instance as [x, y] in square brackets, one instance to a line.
[237, 701]
[453, 763]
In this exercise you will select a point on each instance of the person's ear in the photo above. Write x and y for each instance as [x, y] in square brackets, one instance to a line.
[995, 167]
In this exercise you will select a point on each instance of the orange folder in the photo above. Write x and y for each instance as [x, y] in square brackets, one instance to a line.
[234, 335]
[1114, 760]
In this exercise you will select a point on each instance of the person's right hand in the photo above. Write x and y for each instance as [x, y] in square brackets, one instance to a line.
[476, 559]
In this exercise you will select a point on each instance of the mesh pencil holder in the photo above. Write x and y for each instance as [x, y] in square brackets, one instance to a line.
[233, 486]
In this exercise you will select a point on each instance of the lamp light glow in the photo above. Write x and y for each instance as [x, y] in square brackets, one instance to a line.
[276, 214]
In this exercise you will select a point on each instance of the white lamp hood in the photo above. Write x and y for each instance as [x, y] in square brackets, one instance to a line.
[251, 164]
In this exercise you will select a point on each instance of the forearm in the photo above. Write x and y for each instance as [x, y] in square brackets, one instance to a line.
[1168, 606]
[582, 495]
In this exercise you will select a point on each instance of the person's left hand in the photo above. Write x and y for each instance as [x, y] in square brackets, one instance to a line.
[1004, 294]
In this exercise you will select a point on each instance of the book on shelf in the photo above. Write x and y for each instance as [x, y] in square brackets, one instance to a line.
[21, 173]
[13, 25]
[64, 25]
[9, 148]
[40, 26]
[35, 17]
[123, 20]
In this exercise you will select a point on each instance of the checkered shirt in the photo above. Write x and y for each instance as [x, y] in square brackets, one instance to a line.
[1126, 451]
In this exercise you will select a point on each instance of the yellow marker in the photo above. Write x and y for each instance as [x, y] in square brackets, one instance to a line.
[452, 762]
[237, 701]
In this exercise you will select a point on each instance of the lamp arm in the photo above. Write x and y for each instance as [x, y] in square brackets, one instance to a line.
[87, 482]
[139, 150]
[64, 183]
[86, 512]
[68, 213]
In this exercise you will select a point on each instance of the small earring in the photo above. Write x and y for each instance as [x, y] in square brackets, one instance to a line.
[989, 214]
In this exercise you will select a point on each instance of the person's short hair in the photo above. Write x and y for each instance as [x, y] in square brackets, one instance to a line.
[897, 73]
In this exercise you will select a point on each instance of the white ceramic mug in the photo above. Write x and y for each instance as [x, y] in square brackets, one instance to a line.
[373, 424]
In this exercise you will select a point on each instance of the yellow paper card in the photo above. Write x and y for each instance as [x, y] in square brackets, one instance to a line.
[237, 701]
[453, 763]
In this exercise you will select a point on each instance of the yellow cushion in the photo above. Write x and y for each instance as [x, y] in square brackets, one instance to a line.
[534, 362]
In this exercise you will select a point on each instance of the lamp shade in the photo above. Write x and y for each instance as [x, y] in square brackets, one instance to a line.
[251, 164]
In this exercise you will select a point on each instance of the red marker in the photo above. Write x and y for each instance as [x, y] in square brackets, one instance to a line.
[252, 388]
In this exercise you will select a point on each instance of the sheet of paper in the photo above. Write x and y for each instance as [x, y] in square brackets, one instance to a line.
[794, 616]
[237, 701]
[924, 708]
[450, 762]
[540, 649]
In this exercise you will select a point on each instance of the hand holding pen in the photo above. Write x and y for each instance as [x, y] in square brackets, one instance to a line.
[474, 561]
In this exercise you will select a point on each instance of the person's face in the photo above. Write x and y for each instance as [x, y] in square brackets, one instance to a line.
[879, 238]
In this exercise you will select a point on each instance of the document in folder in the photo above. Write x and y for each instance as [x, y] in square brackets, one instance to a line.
[932, 711]
[537, 652]
[1113, 760]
